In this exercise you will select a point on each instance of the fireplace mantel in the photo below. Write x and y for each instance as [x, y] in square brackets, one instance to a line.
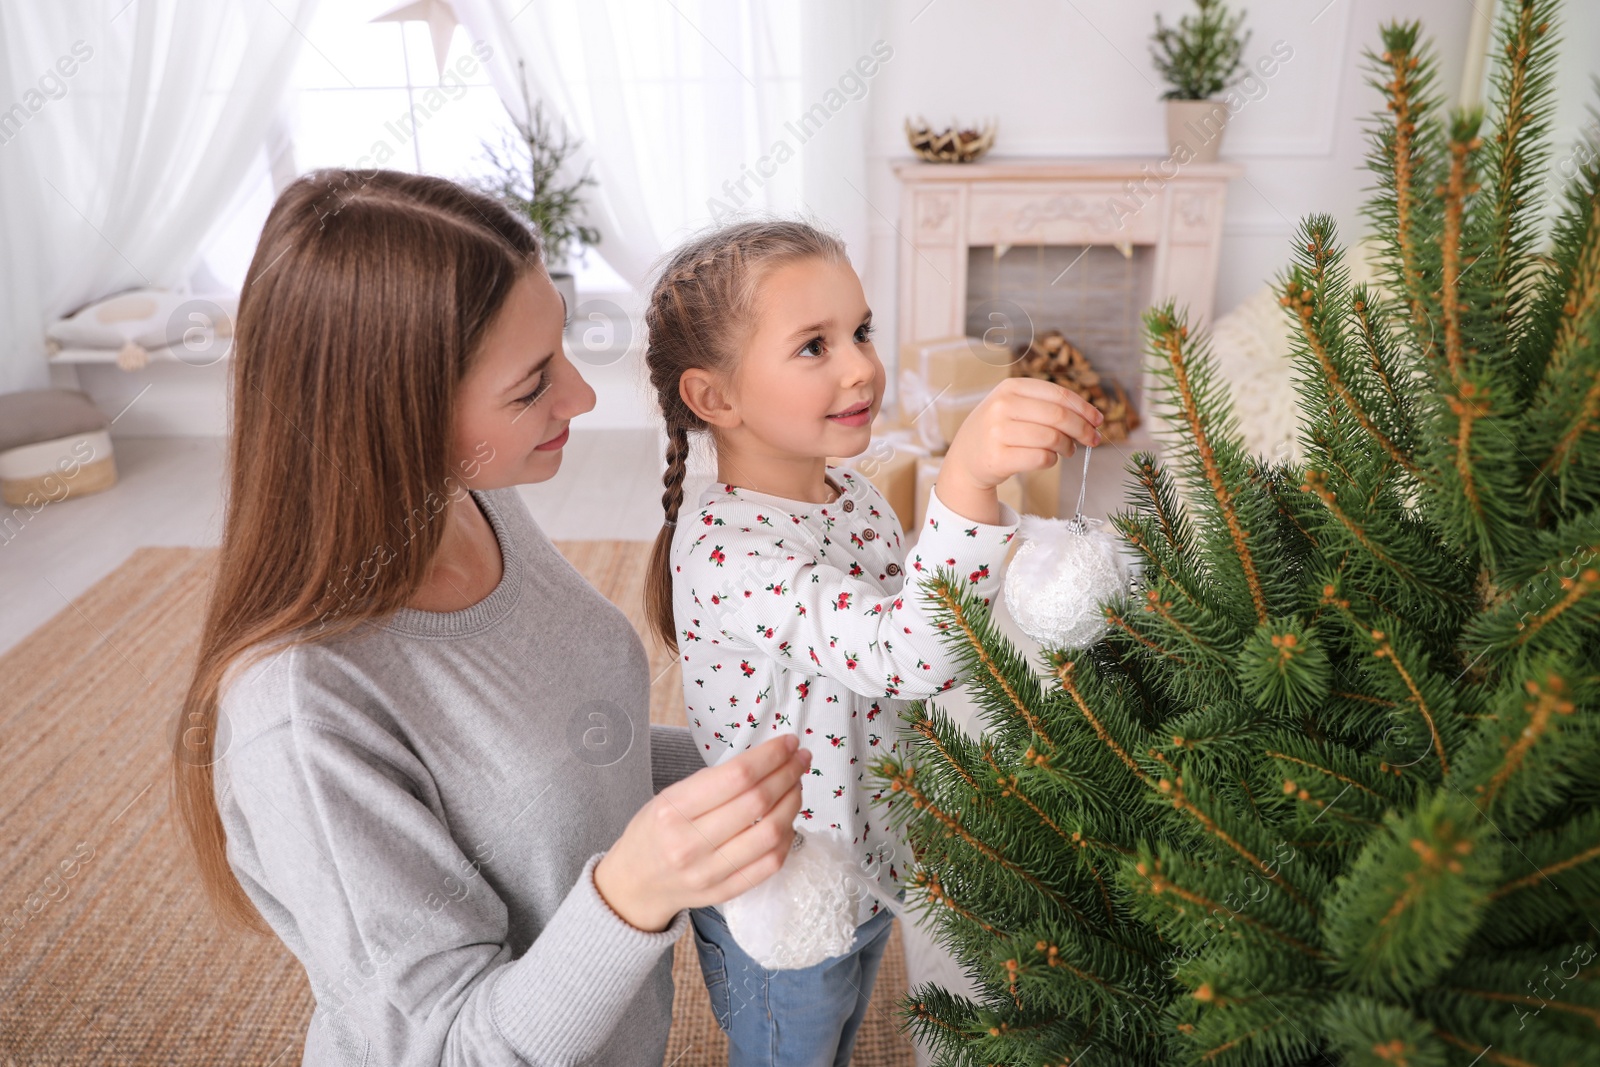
[946, 209]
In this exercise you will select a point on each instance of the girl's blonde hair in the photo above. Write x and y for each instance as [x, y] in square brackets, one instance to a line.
[701, 309]
[369, 294]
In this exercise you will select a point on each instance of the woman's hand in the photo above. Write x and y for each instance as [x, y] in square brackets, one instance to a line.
[1024, 424]
[707, 838]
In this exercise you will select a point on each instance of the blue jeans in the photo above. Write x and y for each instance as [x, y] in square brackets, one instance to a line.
[801, 1018]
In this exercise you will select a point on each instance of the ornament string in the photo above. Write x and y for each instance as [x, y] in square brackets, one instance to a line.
[1083, 490]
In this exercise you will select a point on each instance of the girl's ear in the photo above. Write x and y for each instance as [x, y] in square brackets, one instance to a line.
[706, 396]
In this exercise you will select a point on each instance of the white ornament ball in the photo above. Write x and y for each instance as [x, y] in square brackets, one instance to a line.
[1061, 575]
[804, 914]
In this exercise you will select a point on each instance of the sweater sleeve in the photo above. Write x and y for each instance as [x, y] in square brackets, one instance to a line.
[673, 755]
[788, 602]
[402, 935]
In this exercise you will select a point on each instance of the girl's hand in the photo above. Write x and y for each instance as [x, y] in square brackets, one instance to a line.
[707, 838]
[1024, 424]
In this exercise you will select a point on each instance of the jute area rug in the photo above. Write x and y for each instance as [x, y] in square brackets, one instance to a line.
[119, 961]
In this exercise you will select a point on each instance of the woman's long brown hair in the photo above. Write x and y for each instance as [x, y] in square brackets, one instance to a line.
[367, 297]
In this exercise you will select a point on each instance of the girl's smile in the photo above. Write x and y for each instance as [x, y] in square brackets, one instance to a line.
[860, 415]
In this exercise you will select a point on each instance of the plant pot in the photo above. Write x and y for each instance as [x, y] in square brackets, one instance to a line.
[568, 288]
[1198, 125]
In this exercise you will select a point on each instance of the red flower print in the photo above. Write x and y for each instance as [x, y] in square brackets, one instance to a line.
[744, 665]
[804, 689]
[979, 574]
[842, 603]
[838, 742]
[717, 556]
[807, 813]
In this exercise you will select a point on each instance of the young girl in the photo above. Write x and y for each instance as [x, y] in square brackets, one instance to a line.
[416, 745]
[785, 587]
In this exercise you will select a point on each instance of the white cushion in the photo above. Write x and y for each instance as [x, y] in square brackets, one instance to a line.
[151, 318]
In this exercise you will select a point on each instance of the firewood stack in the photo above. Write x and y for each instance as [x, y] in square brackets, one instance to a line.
[1052, 357]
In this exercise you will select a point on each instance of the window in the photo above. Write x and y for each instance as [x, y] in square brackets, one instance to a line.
[706, 85]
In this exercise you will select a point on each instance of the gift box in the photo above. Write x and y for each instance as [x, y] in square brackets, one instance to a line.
[1010, 491]
[1041, 492]
[942, 381]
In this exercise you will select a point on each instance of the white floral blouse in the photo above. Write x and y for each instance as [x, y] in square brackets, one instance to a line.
[795, 617]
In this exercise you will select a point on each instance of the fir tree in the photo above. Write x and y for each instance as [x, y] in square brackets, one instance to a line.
[1329, 789]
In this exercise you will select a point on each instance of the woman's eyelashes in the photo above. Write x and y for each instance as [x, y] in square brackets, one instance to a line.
[529, 399]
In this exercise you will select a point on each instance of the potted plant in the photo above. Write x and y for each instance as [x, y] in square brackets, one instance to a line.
[528, 179]
[1199, 58]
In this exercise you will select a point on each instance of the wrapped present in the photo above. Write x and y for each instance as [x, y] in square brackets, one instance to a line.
[1041, 492]
[942, 381]
[1010, 491]
[1052, 357]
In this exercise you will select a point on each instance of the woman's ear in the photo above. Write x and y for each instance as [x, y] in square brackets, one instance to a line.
[706, 396]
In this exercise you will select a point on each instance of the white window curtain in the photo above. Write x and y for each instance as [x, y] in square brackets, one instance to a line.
[690, 110]
[131, 126]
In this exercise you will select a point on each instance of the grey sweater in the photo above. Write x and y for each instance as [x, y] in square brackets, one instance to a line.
[417, 808]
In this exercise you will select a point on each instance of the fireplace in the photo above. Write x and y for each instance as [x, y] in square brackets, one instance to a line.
[1010, 249]
[1094, 294]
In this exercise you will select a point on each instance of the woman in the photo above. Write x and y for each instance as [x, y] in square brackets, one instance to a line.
[416, 746]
